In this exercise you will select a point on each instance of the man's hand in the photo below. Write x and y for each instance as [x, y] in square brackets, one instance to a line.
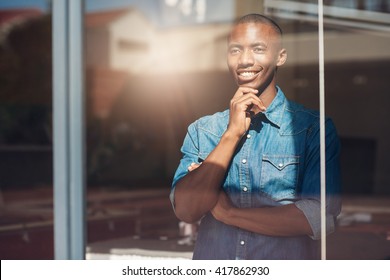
[243, 105]
[193, 166]
[197, 192]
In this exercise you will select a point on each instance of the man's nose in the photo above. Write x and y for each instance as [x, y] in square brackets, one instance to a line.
[246, 58]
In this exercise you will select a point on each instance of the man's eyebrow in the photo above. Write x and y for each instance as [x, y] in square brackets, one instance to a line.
[257, 44]
[235, 45]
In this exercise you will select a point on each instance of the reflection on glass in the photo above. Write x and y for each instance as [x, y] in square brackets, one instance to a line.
[26, 206]
[151, 72]
[356, 67]
[153, 67]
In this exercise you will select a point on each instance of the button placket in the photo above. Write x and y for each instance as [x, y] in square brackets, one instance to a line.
[244, 186]
[242, 241]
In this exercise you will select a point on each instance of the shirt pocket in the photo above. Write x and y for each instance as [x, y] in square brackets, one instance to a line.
[279, 176]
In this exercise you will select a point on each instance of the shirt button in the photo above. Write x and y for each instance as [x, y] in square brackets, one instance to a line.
[242, 242]
[248, 136]
[245, 189]
[280, 164]
[243, 161]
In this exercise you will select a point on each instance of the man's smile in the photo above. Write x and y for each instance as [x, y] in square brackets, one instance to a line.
[247, 75]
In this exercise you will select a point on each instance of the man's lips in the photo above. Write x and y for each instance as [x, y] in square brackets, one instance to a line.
[247, 75]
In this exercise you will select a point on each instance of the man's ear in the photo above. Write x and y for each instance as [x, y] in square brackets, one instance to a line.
[282, 57]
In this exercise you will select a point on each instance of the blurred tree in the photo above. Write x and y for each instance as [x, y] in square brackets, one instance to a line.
[26, 82]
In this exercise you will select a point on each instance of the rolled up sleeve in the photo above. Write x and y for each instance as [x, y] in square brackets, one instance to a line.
[312, 211]
[190, 153]
[310, 203]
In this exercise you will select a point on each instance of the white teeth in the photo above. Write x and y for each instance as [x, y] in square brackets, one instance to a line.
[247, 74]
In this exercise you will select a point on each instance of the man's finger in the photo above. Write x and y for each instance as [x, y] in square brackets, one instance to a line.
[193, 166]
[249, 100]
[244, 90]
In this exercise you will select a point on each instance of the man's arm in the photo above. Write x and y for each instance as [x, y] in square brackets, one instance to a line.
[197, 192]
[286, 220]
[303, 216]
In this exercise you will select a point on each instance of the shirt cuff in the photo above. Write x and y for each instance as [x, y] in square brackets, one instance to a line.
[312, 211]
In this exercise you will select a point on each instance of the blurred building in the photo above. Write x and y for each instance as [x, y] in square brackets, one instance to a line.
[126, 40]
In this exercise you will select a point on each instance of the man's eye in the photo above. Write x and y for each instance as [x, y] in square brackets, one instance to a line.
[234, 51]
[258, 49]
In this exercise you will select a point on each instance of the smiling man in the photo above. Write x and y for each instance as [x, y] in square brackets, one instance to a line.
[251, 174]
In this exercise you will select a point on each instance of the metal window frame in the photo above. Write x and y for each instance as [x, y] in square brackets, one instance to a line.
[321, 71]
[360, 19]
[68, 124]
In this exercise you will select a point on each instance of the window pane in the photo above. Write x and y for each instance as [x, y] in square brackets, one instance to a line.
[153, 67]
[356, 86]
[26, 205]
[357, 67]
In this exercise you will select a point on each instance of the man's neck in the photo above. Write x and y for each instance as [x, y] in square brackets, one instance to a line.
[268, 95]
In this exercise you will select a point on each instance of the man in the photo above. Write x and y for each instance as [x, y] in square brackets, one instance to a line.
[251, 174]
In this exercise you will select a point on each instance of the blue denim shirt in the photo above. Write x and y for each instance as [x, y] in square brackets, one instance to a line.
[276, 163]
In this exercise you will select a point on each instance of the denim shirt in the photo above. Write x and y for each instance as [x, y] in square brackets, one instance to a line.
[276, 163]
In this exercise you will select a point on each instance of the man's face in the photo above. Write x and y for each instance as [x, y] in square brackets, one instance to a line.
[254, 52]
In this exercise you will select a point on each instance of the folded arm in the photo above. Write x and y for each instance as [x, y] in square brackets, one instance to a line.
[286, 220]
[197, 192]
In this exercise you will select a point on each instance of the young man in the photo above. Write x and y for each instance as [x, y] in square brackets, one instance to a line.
[251, 174]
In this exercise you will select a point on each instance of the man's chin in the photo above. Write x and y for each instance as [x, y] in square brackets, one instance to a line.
[253, 85]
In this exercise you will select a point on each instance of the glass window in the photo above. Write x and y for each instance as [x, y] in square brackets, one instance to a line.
[152, 68]
[26, 204]
[356, 69]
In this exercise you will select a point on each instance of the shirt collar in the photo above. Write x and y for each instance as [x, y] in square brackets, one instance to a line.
[275, 110]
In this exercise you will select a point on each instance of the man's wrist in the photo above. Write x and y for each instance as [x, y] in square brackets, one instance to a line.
[231, 137]
[227, 216]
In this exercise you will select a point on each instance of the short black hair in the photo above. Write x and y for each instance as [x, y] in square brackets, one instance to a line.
[258, 18]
